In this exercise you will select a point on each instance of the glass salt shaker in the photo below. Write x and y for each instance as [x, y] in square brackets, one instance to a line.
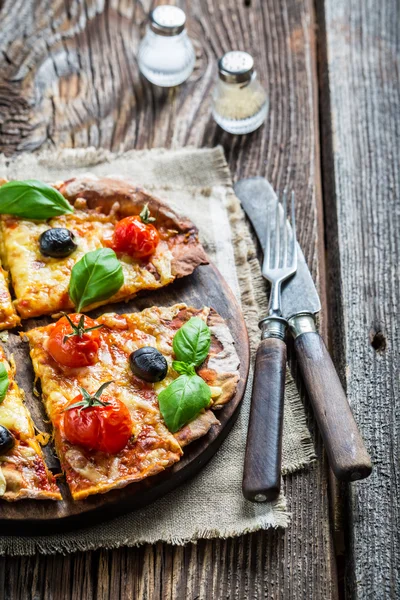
[240, 103]
[166, 55]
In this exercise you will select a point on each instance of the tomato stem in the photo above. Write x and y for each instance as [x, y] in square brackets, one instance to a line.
[89, 399]
[79, 329]
[145, 215]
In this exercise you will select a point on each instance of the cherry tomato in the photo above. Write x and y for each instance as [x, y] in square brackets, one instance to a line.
[134, 237]
[79, 350]
[96, 427]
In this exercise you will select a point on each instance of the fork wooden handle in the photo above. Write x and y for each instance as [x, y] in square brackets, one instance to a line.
[344, 445]
[262, 466]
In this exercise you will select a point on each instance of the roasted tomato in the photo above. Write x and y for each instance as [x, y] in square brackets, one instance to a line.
[136, 235]
[74, 341]
[98, 424]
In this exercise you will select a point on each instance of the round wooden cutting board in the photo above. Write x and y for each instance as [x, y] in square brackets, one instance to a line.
[205, 287]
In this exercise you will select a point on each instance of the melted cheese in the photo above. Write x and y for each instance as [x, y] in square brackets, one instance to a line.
[84, 467]
[8, 315]
[41, 282]
[14, 415]
[3, 483]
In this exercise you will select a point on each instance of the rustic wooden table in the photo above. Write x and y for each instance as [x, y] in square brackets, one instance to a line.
[69, 77]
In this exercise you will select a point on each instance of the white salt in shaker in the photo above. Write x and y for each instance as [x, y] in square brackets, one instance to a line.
[166, 56]
[240, 103]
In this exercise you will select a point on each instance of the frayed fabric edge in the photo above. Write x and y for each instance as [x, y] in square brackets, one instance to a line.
[264, 523]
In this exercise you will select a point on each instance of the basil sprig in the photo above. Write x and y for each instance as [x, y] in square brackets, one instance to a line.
[96, 277]
[191, 342]
[183, 368]
[32, 199]
[187, 395]
[182, 400]
[4, 382]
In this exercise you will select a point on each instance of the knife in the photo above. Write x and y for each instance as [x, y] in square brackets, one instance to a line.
[344, 445]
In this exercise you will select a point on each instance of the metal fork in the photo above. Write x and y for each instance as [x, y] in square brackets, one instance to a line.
[280, 262]
[262, 469]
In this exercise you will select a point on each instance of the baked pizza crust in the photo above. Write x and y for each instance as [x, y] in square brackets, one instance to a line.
[196, 428]
[152, 447]
[126, 199]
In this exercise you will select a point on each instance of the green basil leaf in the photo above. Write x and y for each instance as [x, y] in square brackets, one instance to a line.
[32, 199]
[4, 382]
[96, 277]
[192, 341]
[183, 368]
[182, 400]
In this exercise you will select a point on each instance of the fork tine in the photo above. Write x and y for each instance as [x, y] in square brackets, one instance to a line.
[280, 252]
[277, 234]
[267, 249]
[285, 232]
[294, 239]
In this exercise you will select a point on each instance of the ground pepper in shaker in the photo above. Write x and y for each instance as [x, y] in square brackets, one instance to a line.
[240, 103]
[166, 55]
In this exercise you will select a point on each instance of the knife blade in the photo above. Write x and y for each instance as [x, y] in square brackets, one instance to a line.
[299, 294]
[347, 454]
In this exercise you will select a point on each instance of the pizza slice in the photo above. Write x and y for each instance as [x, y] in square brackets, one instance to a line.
[8, 314]
[153, 244]
[23, 472]
[103, 401]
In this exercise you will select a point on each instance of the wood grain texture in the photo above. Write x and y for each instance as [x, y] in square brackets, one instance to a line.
[348, 457]
[262, 465]
[360, 101]
[69, 77]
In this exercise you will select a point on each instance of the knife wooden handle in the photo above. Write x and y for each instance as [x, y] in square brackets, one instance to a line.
[262, 466]
[344, 445]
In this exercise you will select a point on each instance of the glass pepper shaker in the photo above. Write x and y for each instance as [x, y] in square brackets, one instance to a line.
[166, 55]
[240, 103]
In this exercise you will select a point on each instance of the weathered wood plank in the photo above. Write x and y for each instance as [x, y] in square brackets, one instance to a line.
[70, 78]
[360, 44]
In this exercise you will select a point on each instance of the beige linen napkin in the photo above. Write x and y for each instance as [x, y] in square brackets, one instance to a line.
[198, 184]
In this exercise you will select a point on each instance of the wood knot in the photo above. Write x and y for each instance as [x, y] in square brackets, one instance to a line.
[377, 340]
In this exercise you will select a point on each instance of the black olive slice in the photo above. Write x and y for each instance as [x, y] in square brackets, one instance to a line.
[7, 440]
[57, 242]
[148, 364]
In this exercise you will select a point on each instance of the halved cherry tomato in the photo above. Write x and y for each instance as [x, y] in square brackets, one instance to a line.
[104, 425]
[135, 237]
[80, 348]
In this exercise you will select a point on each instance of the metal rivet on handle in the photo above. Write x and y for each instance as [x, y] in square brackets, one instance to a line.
[260, 498]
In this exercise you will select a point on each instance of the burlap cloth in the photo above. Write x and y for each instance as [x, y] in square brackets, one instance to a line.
[197, 183]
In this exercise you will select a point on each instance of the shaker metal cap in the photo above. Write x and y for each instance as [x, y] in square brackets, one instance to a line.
[167, 20]
[236, 67]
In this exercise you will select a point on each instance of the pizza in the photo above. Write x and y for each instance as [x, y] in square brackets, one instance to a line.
[124, 393]
[153, 244]
[23, 472]
[109, 430]
[8, 314]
